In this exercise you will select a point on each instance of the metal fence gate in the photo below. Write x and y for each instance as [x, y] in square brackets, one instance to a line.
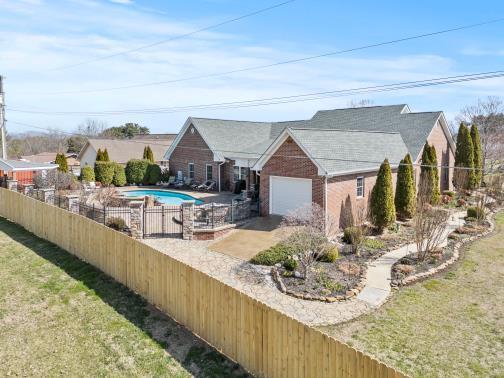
[162, 222]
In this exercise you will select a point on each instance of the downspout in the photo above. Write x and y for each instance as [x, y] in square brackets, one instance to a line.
[218, 171]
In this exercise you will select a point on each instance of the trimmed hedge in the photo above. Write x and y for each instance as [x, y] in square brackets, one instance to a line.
[119, 175]
[153, 174]
[273, 255]
[104, 172]
[87, 174]
[136, 171]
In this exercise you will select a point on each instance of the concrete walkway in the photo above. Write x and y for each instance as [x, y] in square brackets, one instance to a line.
[378, 275]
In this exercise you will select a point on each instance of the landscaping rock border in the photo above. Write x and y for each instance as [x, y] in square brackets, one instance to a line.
[351, 293]
[456, 255]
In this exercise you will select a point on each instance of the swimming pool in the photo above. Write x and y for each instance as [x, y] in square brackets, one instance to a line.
[164, 196]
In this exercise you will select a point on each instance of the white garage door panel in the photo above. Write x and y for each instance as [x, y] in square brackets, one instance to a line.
[287, 194]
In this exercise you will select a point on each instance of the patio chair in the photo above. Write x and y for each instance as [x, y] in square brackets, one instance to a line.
[188, 182]
[171, 181]
[207, 186]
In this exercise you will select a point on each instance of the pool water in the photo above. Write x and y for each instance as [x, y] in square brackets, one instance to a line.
[164, 196]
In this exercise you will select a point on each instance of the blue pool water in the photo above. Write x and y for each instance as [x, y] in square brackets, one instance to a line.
[163, 196]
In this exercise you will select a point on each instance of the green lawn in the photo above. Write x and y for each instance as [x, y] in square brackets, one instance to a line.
[60, 316]
[451, 325]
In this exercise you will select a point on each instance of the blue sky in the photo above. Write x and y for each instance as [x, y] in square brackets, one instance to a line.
[39, 35]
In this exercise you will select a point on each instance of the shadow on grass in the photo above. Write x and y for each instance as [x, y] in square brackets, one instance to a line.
[195, 355]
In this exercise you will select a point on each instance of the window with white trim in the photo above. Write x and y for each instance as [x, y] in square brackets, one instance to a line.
[239, 173]
[191, 170]
[209, 172]
[360, 186]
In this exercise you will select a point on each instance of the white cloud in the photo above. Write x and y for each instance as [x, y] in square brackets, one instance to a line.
[122, 1]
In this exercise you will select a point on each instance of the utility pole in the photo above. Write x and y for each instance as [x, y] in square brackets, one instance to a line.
[2, 119]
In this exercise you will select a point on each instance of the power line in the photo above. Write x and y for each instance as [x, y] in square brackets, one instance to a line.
[181, 36]
[254, 154]
[290, 61]
[283, 99]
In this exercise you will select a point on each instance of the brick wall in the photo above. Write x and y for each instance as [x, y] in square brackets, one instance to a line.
[342, 194]
[444, 154]
[280, 164]
[197, 153]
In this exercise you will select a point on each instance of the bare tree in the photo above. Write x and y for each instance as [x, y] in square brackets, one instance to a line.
[91, 127]
[488, 115]
[56, 179]
[429, 224]
[107, 196]
[305, 231]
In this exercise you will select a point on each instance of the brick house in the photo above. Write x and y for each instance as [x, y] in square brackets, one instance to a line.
[331, 159]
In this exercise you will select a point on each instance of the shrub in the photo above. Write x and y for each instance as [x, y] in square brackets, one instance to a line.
[104, 172]
[271, 256]
[61, 160]
[331, 255]
[136, 171]
[373, 243]
[464, 157]
[449, 193]
[87, 174]
[351, 234]
[153, 175]
[461, 202]
[477, 156]
[476, 213]
[119, 175]
[147, 154]
[382, 198]
[165, 175]
[116, 223]
[290, 264]
[405, 195]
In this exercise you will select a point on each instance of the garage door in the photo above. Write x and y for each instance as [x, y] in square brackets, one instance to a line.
[287, 194]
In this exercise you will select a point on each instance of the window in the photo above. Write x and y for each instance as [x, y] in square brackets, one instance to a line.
[360, 186]
[209, 172]
[191, 170]
[239, 173]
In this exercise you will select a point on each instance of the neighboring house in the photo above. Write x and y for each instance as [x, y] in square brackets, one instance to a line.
[50, 158]
[331, 159]
[123, 150]
[22, 171]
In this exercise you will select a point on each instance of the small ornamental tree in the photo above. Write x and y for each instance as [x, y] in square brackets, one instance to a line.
[87, 174]
[477, 156]
[104, 172]
[105, 155]
[382, 209]
[61, 160]
[436, 193]
[428, 175]
[136, 171]
[99, 155]
[119, 178]
[464, 159]
[148, 154]
[405, 195]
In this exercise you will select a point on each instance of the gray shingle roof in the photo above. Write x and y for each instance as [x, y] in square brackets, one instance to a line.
[338, 151]
[13, 165]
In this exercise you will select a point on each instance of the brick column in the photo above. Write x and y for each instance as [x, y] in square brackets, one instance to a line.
[28, 190]
[187, 220]
[12, 185]
[47, 195]
[136, 219]
[72, 203]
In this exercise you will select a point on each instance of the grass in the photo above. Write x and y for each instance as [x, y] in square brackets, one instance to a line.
[451, 325]
[61, 316]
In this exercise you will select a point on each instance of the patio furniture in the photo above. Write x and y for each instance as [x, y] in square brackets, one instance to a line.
[171, 181]
[207, 186]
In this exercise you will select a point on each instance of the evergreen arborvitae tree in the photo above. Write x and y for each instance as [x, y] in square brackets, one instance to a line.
[464, 158]
[382, 207]
[436, 192]
[426, 178]
[105, 155]
[405, 195]
[61, 160]
[99, 155]
[148, 154]
[477, 156]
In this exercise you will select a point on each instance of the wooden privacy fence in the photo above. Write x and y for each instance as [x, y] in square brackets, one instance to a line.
[263, 340]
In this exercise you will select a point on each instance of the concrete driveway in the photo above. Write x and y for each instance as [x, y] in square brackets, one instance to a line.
[249, 239]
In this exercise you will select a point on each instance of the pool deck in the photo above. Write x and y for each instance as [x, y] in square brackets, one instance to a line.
[206, 197]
